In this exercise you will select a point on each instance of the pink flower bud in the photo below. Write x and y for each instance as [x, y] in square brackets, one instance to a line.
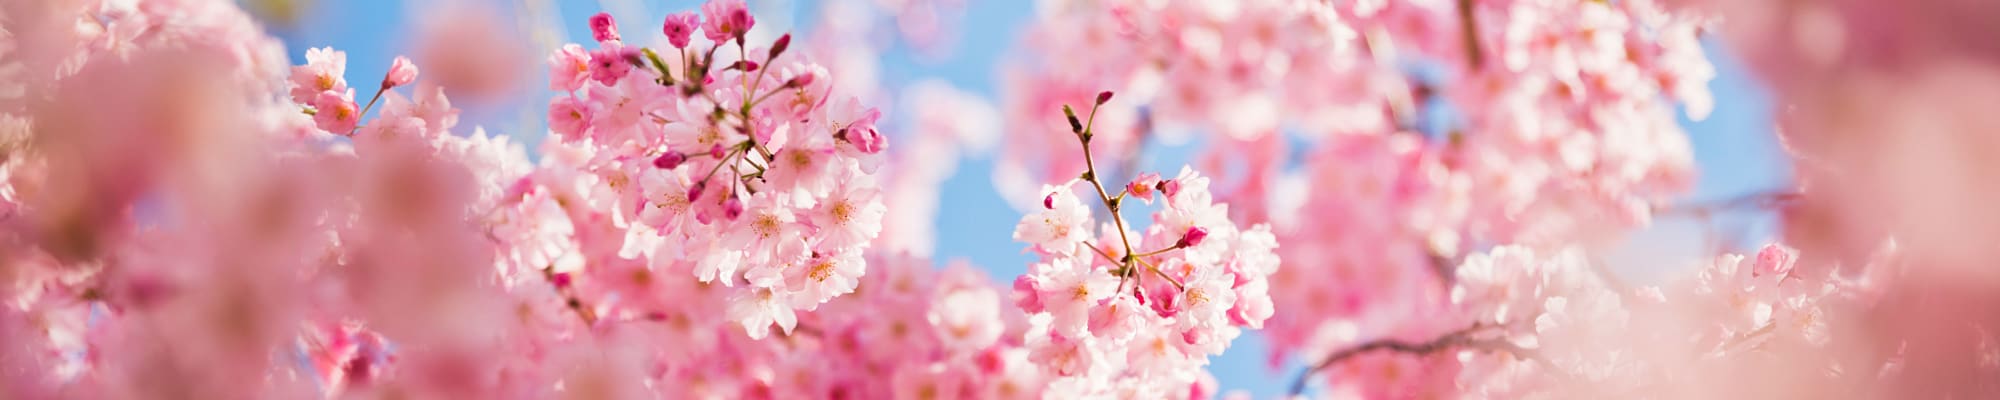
[401, 72]
[1049, 202]
[779, 47]
[560, 279]
[1103, 97]
[1193, 237]
[867, 139]
[800, 81]
[1169, 187]
[732, 208]
[694, 191]
[670, 160]
[603, 28]
[741, 19]
[680, 28]
[1166, 302]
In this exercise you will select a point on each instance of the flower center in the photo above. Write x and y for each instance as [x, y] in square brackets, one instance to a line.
[842, 212]
[821, 271]
[801, 159]
[766, 226]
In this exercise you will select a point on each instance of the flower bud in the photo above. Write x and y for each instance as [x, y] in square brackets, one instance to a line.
[603, 28]
[1075, 125]
[669, 160]
[732, 208]
[1049, 202]
[800, 81]
[1103, 97]
[1193, 237]
[1169, 187]
[779, 47]
[694, 191]
[401, 72]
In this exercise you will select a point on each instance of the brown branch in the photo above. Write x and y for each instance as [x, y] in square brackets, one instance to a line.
[570, 299]
[1747, 337]
[1769, 199]
[1462, 338]
[1470, 25]
[1083, 134]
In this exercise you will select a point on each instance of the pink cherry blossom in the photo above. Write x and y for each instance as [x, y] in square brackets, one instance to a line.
[608, 65]
[762, 308]
[1060, 227]
[723, 20]
[569, 68]
[325, 71]
[680, 27]
[603, 28]
[849, 214]
[336, 112]
[568, 117]
[1070, 292]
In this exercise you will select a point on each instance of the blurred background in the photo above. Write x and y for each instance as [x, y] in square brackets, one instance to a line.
[962, 43]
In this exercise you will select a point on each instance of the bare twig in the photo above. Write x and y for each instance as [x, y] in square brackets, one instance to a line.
[1462, 338]
[1769, 199]
[1083, 134]
[1470, 25]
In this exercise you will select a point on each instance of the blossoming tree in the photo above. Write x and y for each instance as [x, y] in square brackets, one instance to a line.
[184, 215]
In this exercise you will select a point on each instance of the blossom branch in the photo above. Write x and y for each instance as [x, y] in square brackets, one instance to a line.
[1083, 135]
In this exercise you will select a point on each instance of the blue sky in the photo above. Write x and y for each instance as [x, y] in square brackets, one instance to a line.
[1734, 147]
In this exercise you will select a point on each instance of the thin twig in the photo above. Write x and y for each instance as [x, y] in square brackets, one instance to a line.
[1163, 275]
[1768, 199]
[1461, 338]
[1747, 337]
[1090, 174]
[1470, 25]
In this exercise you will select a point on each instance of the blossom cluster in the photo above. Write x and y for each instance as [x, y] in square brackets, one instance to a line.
[239, 219]
[754, 170]
[1400, 135]
[1136, 313]
[1523, 322]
